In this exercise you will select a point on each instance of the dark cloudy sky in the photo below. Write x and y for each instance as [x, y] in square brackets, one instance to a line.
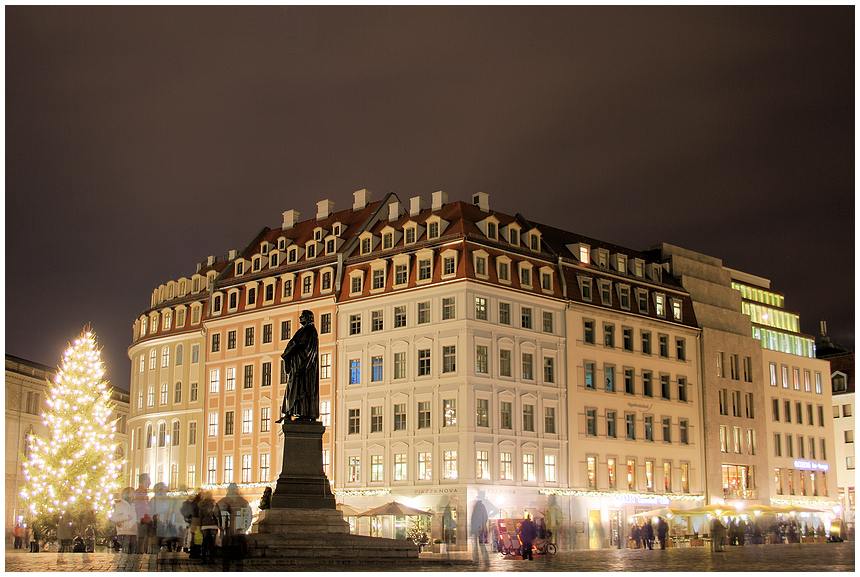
[139, 140]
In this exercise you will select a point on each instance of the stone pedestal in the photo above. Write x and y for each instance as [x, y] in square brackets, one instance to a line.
[303, 484]
[303, 526]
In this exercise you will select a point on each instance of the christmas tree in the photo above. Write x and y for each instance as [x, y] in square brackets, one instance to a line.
[73, 471]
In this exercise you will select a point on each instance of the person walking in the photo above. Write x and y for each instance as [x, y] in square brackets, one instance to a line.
[25, 536]
[527, 534]
[34, 544]
[124, 517]
[210, 523]
[64, 534]
[662, 532]
[16, 534]
[634, 535]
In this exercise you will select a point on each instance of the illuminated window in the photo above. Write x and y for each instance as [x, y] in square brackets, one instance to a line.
[400, 466]
[375, 468]
[506, 471]
[354, 469]
[450, 463]
[528, 467]
[425, 469]
[611, 465]
[591, 469]
[631, 474]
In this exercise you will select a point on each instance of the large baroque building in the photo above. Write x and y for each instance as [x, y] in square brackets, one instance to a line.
[470, 354]
[28, 385]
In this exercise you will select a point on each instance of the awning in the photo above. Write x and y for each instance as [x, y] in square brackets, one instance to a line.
[394, 508]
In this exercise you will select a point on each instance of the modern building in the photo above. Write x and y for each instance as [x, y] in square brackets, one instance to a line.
[28, 385]
[841, 362]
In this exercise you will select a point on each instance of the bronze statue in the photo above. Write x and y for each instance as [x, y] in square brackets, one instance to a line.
[301, 361]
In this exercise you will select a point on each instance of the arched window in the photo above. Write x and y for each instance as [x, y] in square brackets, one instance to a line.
[165, 357]
[174, 475]
[162, 433]
[174, 434]
[28, 442]
[149, 433]
[179, 352]
[150, 397]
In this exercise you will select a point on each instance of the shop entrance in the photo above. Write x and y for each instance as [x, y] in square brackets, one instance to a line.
[595, 530]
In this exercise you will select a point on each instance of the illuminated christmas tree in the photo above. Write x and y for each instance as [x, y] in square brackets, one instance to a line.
[73, 471]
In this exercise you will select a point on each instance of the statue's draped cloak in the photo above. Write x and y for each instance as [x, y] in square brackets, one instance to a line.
[301, 360]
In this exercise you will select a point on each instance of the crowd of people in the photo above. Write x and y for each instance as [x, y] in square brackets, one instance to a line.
[197, 525]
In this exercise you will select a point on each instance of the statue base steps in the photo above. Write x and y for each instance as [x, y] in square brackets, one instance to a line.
[301, 536]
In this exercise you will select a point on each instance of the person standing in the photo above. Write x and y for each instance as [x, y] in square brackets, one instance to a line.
[662, 532]
[64, 533]
[527, 534]
[634, 535]
[648, 536]
[16, 535]
[124, 516]
[25, 536]
[210, 523]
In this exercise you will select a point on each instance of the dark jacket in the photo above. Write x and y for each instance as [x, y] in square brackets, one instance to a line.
[527, 531]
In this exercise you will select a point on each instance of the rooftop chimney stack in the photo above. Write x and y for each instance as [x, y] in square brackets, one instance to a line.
[439, 199]
[416, 205]
[324, 209]
[482, 201]
[823, 328]
[395, 209]
[291, 217]
[362, 197]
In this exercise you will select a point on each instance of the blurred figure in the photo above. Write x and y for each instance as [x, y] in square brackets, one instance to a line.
[165, 515]
[527, 533]
[144, 515]
[479, 528]
[236, 517]
[210, 523]
[124, 516]
[64, 533]
[662, 532]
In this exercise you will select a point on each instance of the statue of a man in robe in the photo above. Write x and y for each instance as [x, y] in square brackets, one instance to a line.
[301, 361]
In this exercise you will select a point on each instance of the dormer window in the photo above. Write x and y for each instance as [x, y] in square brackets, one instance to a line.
[365, 245]
[256, 263]
[449, 263]
[515, 237]
[410, 235]
[503, 269]
[307, 283]
[546, 279]
[293, 255]
[491, 230]
[336, 229]
[216, 306]
[240, 268]
[656, 271]
[387, 240]
[318, 234]
[676, 310]
[479, 261]
[602, 258]
[584, 254]
[356, 279]
[585, 287]
[282, 243]
[525, 270]
[252, 296]
[329, 246]
[273, 260]
[264, 248]
[311, 250]
[433, 230]
[535, 241]
[325, 281]
[288, 288]
[660, 305]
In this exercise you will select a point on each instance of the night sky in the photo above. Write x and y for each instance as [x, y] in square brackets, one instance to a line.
[140, 140]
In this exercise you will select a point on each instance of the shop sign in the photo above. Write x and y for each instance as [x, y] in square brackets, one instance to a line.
[809, 465]
[436, 491]
[641, 499]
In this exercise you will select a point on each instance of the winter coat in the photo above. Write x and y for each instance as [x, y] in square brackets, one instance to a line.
[527, 531]
[124, 516]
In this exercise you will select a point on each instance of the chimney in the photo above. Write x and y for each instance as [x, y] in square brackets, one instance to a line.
[823, 328]
[395, 209]
[324, 209]
[210, 260]
[439, 199]
[362, 197]
[232, 254]
[416, 205]
[290, 219]
[482, 201]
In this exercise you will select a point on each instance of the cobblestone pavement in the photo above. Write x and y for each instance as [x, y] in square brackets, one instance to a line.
[811, 557]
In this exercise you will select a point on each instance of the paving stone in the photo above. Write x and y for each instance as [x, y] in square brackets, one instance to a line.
[810, 557]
